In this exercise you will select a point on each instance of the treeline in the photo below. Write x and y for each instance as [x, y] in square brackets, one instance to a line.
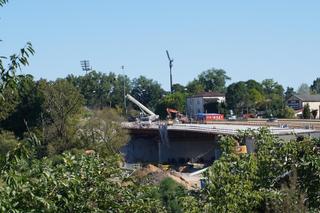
[31, 100]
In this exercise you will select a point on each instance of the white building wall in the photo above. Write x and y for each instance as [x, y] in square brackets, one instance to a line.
[313, 106]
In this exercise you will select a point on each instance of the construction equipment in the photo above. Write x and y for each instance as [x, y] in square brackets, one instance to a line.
[175, 114]
[170, 66]
[150, 116]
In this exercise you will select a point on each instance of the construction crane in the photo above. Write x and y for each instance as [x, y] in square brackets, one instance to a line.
[170, 66]
[151, 115]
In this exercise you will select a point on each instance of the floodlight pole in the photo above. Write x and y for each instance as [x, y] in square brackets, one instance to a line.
[85, 66]
[124, 90]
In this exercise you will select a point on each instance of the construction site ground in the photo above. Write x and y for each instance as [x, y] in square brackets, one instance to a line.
[151, 174]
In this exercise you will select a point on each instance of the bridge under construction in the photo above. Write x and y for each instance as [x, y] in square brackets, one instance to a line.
[180, 143]
[153, 141]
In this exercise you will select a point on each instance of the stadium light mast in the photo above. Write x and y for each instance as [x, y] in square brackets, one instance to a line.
[85, 65]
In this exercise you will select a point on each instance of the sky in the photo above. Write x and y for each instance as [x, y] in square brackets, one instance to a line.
[248, 39]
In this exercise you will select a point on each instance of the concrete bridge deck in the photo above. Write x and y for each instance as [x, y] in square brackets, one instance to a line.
[216, 129]
[182, 143]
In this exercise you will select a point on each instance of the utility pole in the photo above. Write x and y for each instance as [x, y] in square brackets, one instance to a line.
[170, 67]
[124, 90]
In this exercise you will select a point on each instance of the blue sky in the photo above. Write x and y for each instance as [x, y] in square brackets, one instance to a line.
[249, 39]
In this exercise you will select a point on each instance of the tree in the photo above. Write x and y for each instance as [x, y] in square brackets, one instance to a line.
[315, 87]
[170, 192]
[75, 183]
[62, 101]
[306, 113]
[175, 100]
[256, 98]
[14, 63]
[103, 133]
[289, 92]
[96, 87]
[178, 88]
[118, 90]
[8, 142]
[237, 97]
[147, 91]
[195, 87]
[214, 80]
[8, 104]
[28, 109]
[288, 112]
[274, 101]
[304, 89]
[271, 87]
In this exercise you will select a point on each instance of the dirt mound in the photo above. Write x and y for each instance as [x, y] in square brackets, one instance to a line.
[151, 174]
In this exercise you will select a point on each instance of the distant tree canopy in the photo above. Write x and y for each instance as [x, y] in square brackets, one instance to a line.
[245, 96]
[27, 109]
[289, 92]
[315, 87]
[252, 96]
[175, 100]
[101, 90]
[147, 91]
[304, 89]
[210, 80]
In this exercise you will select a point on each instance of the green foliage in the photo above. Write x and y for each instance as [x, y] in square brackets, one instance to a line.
[170, 192]
[304, 89]
[195, 87]
[28, 106]
[281, 176]
[231, 185]
[175, 100]
[62, 105]
[102, 132]
[15, 62]
[77, 184]
[237, 97]
[178, 88]
[147, 91]
[101, 90]
[214, 80]
[235, 183]
[251, 96]
[8, 142]
[289, 92]
[8, 104]
[315, 87]
[288, 112]
[306, 113]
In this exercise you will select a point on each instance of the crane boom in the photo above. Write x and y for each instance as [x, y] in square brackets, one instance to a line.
[168, 55]
[151, 114]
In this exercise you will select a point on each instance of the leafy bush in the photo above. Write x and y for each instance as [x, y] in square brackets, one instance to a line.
[79, 183]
